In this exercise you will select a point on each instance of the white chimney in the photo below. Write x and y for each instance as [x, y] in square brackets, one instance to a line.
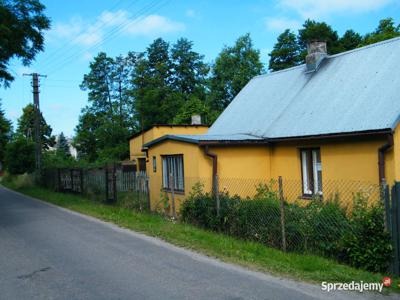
[196, 120]
[316, 53]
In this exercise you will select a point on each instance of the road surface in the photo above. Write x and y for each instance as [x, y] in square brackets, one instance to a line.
[48, 252]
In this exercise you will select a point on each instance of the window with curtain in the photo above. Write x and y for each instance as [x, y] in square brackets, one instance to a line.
[172, 165]
[311, 170]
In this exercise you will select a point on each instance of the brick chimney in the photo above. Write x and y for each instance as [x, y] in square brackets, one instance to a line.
[316, 53]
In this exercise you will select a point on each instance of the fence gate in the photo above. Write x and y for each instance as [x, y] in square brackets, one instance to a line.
[111, 183]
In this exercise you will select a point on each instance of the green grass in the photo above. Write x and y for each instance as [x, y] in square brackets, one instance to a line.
[253, 255]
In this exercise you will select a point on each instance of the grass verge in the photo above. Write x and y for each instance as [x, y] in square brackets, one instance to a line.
[255, 256]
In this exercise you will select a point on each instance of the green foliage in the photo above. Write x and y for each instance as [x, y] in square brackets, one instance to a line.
[290, 50]
[368, 245]
[321, 227]
[22, 23]
[232, 70]
[286, 52]
[5, 135]
[26, 127]
[193, 106]
[63, 146]
[20, 156]
[385, 30]
[104, 125]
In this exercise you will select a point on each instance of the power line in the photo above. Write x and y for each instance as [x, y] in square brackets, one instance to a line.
[112, 34]
[63, 49]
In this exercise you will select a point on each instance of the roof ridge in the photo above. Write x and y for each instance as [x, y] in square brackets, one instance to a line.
[332, 56]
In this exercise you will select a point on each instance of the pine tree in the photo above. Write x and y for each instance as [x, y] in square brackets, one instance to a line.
[286, 52]
[63, 146]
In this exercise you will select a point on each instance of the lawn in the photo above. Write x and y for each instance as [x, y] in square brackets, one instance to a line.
[252, 255]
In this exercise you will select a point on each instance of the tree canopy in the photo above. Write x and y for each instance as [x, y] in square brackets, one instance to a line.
[26, 127]
[22, 23]
[5, 135]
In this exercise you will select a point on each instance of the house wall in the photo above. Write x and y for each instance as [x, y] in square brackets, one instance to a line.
[347, 167]
[136, 143]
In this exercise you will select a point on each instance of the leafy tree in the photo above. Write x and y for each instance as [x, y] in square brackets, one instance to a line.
[189, 70]
[286, 52]
[5, 135]
[20, 156]
[105, 124]
[85, 140]
[385, 30]
[232, 70]
[22, 23]
[26, 127]
[193, 106]
[350, 40]
[313, 30]
[156, 101]
[63, 146]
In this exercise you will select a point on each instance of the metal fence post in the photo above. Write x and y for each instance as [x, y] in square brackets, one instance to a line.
[106, 182]
[114, 182]
[81, 175]
[148, 193]
[216, 194]
[58, 180]
[172, 187]
[282, 210]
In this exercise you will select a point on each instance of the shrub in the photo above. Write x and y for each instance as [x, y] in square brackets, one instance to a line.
[20, 156]
[367, 245]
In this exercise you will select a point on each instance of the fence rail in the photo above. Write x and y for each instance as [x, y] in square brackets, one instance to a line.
[109, 184]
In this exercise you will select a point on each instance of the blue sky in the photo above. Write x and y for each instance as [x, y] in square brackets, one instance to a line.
[80, 29]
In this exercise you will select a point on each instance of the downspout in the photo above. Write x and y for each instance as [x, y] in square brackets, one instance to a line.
[381, 157]
[214, 158]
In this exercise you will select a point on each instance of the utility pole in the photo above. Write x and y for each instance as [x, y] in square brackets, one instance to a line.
[38, 143]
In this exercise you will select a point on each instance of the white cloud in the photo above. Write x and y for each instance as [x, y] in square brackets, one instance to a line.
[320, 8]
[83, 33]
[281, 24]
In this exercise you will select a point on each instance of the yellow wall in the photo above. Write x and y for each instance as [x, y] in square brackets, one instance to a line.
[136, 143]
[347, 167]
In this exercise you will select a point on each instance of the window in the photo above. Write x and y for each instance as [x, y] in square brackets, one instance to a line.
[154, 164]
[173, 165]
[311, 172]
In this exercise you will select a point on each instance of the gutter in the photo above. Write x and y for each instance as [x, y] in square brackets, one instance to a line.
[381, 157]
[214, 158]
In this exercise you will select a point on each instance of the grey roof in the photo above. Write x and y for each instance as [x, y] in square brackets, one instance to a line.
[353, 91]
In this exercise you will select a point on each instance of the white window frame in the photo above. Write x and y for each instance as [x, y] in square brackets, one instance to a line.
[173, 165]
[311, 170]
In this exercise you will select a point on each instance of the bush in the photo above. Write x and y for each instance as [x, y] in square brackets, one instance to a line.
[320, 227]
[367, 245]
[20, 156]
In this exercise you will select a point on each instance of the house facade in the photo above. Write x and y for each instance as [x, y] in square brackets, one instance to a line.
[138, 152]
[330, 126]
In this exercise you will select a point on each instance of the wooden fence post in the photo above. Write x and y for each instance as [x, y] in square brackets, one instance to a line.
[172, 187]
[282, 210]
[59, 180]
[395, 220]
[81, 177]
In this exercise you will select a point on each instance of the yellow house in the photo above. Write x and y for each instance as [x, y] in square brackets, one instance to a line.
[136, 141]
[328, 127]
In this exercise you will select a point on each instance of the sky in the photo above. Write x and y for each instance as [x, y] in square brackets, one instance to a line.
[81, 29]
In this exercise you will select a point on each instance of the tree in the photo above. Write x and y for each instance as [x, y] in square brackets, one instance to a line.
[286, 52]
[5, 135]
[63, 146]
[156, 101]
[350, 40]
[22, 23]
[232, 70]
[321, 31]
[193, 106]
[385, 30]
[20, 156]
[26, 127]
[189, 70]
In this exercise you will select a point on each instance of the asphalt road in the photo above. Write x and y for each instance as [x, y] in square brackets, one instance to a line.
[48, 252]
